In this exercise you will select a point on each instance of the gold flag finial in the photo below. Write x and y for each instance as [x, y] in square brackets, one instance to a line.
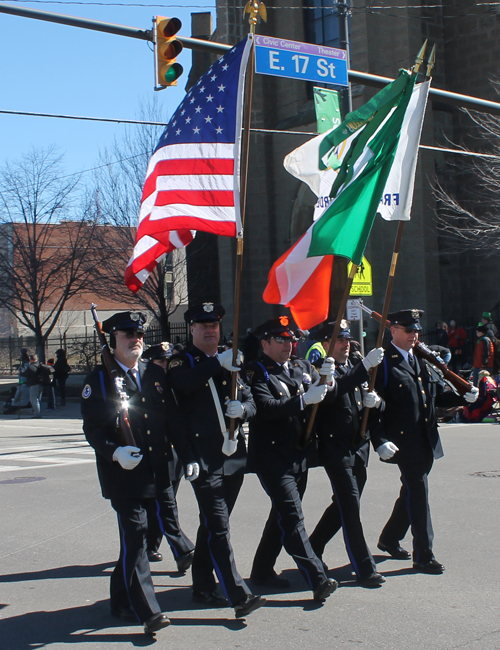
[255, 9]
[430, 61]
[420, 58]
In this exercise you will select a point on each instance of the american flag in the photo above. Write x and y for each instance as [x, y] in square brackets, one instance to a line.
[192, 180]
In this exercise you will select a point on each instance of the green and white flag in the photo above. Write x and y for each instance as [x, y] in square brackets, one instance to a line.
[319, 161]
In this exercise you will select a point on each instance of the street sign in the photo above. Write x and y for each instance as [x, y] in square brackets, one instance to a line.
[353, 310]
[362, 283]
[282, 58]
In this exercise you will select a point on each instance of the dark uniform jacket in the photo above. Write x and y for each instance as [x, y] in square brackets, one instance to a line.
[338, 421]
[189, 374]
[153, 416]
[408, 415]
[281, 422]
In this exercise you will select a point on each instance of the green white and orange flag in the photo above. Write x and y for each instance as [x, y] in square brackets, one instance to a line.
[355, 160]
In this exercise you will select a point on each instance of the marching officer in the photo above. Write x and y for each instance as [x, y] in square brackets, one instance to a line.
[168, 525]
[201, 379]
[344, 454]
[130, 475]
[406, 432]
[282, 391]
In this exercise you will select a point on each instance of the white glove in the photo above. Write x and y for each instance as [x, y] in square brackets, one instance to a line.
[387, 450]
[373, 358]
[472, 395]
[327, 370]
[226, 360]
[128, 457]
[315, 394]
[192, 471]
[235, 409]
[372, 400]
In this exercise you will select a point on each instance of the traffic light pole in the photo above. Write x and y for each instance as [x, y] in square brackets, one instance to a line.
[375, 81]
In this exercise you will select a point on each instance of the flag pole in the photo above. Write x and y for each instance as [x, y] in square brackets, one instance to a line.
[395, 255]
[333, 340]
[253, 10]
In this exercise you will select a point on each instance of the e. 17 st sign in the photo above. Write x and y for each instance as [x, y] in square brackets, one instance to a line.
[282, 58]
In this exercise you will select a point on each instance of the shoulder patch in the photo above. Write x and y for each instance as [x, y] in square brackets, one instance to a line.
[306, 378]
[159, 387]
[87, 391]
[177, 362]
[250, 374]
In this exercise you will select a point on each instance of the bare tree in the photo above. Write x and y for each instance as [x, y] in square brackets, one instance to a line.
[48, 240]
[471, 222]
[120, 181]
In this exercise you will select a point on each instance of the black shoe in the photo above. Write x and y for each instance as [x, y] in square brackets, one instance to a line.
[154, 556]
[124, 613]
[185, 561]
[210, 598]
[155, 623]
[432, 566]
[248, 605]
[397, 552]
[324, 589]
[272, 580]
[373, 580]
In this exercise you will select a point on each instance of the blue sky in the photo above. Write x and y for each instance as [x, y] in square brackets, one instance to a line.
[53, 68]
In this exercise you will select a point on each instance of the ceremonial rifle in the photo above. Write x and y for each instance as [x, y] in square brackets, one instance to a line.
[115, 375]
[421, 350]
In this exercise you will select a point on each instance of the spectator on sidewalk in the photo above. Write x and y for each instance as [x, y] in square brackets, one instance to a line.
[483, 353]
[61, 373]
[34, 385]
[456, 343]
[51, 392]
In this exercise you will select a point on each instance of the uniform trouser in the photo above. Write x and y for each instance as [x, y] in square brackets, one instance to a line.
[163, 520]
[271, 542]
[131, 583]
[216, 495]
[347, 482]
[412, 509]
[283, 491]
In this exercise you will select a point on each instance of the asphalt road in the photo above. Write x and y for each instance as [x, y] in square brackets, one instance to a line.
[59, 543]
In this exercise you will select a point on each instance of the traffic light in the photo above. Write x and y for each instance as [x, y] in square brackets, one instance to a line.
[167, 47]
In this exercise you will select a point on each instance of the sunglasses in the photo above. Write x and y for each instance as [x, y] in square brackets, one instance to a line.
[408, 330]
[282, 339]
[133, 334]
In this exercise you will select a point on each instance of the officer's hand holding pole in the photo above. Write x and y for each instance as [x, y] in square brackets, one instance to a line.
[327, 370]
[372, 400]
[373, 358]
[386, 450]
[235, 409]
[315, 394]
[128, 457]
[226, 360]
[192, 471]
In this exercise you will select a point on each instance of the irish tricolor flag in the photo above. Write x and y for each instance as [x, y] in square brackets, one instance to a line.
[358, 156]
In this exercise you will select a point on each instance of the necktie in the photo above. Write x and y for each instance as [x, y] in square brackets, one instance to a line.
[132, 376]
[411, 361]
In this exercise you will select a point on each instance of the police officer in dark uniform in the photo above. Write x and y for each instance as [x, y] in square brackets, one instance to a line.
[129, 475]
[168, 524]
[344, 454]
[201, 379]
[282, 392]
[405, 432]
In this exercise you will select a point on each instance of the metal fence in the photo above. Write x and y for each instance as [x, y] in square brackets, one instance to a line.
[82, 352]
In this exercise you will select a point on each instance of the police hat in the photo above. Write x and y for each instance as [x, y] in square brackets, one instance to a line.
[409, 318]
[274, 327]
[157, 351]
[125, 320]
[208, 312]
[326, 331]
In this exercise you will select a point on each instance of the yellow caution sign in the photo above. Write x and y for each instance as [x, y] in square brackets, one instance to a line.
[362, 283]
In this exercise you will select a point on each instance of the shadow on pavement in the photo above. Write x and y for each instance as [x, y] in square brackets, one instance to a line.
[60, 573]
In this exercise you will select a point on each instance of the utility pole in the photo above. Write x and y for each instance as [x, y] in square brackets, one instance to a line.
[344, 13]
